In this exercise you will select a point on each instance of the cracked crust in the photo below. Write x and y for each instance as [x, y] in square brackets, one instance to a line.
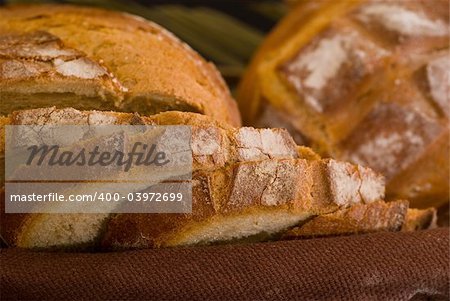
[420, 219]
[296, 188]
[244, 172]
[214, 144]
[95, 59]
[361, 81]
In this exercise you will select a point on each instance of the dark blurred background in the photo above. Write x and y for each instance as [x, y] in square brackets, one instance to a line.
[226, 32]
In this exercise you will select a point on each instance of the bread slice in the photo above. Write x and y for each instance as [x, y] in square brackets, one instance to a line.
[88, 58]
[361, 218]
[228, 182]
[247, 200]
[214, 144]
[377, 216]
[246, 182]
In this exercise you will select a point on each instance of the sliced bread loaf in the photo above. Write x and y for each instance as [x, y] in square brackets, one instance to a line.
[88, 58]
[360, 218]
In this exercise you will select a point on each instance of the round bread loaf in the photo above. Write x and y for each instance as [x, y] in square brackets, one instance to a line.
[67, 56]
[363, 81]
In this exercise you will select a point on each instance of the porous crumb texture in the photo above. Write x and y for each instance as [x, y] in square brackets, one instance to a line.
[362, 81]
[60, 231]
[94, 59]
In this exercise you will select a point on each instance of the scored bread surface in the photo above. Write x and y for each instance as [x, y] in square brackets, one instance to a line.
[361, 218]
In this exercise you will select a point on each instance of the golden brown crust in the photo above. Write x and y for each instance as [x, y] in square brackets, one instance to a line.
[214, 144]
[296, 186]
[236, 171]
[38, 62]
[425, 188]
[358, 219]
[420, 219]
[307, 153]
[10, 223]
[155, 71]
[249, 95]
[352, 81]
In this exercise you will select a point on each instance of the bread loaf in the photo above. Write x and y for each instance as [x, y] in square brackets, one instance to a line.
[252, 181]
[87, 58]
[214, 144]
[364, 81]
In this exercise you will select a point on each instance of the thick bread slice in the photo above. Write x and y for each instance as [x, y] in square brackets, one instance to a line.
[213, 144]
[420, 219]
[307, 153]
[349, 80]
[96, 59]
[268, 195]
[248, 199]
[360, 218]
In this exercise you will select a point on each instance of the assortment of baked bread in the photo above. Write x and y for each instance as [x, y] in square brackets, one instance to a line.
[68, 65]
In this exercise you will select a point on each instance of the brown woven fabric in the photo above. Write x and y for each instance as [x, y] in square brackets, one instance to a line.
[383, 266]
